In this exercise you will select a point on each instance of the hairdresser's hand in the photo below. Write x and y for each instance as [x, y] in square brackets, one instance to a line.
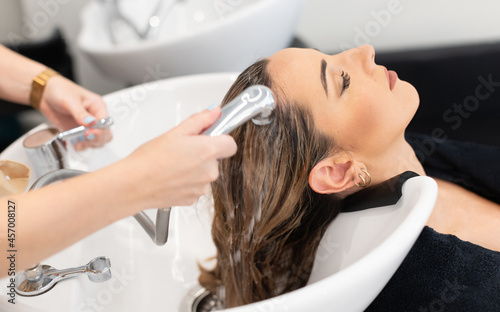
[177, 167]
[68, 105]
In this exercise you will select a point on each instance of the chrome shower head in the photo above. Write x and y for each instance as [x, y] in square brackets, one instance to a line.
[255, 102]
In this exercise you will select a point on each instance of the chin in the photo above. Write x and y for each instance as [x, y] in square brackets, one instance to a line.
[415, 99]
[409, 94]
[409, 100]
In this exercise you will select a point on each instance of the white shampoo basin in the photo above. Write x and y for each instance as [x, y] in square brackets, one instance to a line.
[357, 256]
[198, 36]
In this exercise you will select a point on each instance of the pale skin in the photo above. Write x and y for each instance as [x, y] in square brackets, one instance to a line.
[65, 104]
[173, 169]
[368, 119]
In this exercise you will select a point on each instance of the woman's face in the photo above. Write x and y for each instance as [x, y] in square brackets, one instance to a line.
[362, 105]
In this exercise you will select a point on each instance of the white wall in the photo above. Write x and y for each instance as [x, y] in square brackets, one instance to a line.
[398, 24]
[10, 13]
[326, 24]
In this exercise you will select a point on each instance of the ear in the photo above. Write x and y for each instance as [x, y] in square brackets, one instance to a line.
[332, 175]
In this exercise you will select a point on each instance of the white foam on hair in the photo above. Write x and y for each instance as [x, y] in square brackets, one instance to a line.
[256, 217]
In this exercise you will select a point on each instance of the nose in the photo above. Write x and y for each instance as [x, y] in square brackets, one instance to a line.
[365, 55]
[368, 51]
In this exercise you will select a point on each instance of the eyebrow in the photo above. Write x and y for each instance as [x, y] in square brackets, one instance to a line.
[323, 76]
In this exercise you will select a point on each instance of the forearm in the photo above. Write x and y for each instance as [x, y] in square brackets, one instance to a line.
[17, 73]
[54, 217]
[174, 169]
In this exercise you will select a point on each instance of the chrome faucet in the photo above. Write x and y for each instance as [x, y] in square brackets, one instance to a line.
[41, 278]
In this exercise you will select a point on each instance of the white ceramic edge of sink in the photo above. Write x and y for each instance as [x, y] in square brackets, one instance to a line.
[325, 286]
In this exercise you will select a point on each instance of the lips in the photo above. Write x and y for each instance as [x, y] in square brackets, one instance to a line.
[392, 77]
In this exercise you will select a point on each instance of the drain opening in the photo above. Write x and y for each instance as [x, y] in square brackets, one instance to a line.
[205, 301]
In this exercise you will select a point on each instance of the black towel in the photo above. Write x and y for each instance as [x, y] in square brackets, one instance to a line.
[473, 166]
[443, 273]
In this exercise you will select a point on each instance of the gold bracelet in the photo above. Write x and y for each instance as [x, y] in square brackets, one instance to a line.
[38, 86]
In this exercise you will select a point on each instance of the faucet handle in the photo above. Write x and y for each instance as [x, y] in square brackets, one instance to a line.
[99, 269]
[40, 279]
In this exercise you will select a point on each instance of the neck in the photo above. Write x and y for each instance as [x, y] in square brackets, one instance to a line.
[398, 159]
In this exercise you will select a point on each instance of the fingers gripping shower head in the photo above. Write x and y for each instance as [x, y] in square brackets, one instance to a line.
[255, 102]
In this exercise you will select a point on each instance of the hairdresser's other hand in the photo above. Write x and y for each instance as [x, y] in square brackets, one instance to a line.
[177, 167]
[68, 105]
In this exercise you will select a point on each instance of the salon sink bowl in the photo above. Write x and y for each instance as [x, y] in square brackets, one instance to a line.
[197, 36]
[356, 257]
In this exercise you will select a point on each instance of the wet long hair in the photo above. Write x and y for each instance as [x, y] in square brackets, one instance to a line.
[268, 222]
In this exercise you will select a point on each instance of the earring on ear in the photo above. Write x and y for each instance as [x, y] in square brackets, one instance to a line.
[365, 182]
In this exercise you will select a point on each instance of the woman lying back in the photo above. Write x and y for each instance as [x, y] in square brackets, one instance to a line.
[339, 124]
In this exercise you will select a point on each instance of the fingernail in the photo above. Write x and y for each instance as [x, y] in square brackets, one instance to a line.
[89, 119]
[81, 138]
[213, 106]
[74, 141]
[91, 136]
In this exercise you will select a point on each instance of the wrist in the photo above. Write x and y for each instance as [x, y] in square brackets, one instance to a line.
[38, 86]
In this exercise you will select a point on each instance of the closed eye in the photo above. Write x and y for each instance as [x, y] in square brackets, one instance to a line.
[346, 81]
